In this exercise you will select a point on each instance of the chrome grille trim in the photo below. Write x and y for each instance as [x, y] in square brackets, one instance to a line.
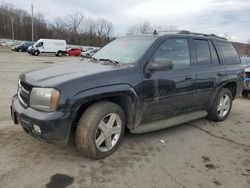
[20, 99]
[23, 89]
[23, 94]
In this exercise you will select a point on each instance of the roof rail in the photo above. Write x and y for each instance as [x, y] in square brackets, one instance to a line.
[156, 32]
[202, 34]
[187, 33]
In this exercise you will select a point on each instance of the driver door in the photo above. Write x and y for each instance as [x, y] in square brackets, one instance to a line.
[40, 47]
[172, 91]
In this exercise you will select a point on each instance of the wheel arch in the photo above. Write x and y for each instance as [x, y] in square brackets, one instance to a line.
[126, 99]
[232, 86]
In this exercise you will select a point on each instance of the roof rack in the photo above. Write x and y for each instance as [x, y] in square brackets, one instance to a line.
[187, 33]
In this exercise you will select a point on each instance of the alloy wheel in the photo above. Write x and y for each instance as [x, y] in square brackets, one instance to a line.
[108, 132]
[224, 106]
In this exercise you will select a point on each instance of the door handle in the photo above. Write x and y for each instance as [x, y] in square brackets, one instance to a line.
[189, 78]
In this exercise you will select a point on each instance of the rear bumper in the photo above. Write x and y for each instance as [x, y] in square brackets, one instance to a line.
[54, 126]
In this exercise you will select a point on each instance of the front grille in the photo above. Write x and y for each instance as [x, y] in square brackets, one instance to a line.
[23, 93]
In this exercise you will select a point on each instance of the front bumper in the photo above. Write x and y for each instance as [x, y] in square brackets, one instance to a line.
[30, 51]
[54, 126]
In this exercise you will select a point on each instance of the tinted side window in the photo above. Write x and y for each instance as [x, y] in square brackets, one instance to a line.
[202, 52]
[214, 55]
[40, 44]
[230, 54]
[176, 50]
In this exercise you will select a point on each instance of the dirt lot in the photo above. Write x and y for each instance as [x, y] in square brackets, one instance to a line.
[197, 154]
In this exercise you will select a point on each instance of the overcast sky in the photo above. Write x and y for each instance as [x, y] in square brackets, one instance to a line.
[208, 16]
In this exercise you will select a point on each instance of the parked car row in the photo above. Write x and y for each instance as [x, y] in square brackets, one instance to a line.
[51, 46]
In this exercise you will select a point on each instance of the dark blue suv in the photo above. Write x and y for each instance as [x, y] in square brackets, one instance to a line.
[143, 83]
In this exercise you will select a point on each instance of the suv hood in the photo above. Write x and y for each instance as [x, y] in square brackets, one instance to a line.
[57, 74]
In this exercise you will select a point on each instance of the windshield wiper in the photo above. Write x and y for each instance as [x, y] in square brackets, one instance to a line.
[93, 60]
[116, 63]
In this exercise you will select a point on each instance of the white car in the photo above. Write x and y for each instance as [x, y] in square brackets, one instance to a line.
[89, 53]
[52, 46]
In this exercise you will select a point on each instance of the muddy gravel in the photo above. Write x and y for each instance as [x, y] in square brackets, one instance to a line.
[199, 154]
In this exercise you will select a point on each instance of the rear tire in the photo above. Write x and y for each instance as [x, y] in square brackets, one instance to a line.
[222, 105]
[100, 130]
[59, 53]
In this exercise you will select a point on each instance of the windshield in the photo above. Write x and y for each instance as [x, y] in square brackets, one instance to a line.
[125, 50]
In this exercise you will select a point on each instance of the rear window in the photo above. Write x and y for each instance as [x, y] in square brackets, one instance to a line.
[229, 52]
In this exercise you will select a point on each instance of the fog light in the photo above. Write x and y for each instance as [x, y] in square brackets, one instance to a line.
[37, 129]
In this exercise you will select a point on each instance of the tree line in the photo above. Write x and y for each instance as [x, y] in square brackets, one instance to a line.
[75, 28]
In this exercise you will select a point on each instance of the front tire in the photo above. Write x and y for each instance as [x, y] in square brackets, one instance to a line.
[100, 130]
[222, 105]
[36, 53]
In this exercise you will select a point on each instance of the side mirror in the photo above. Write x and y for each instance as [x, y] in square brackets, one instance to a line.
[160, 64]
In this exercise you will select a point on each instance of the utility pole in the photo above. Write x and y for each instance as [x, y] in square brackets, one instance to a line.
[32, 23]
[12, 28]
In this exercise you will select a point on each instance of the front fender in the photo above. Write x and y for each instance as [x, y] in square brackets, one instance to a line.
[107, 92]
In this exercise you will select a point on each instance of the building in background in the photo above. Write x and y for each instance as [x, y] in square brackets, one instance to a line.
[243, 49]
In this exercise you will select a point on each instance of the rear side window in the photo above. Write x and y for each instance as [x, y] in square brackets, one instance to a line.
[229, 52]
[214, 55]
[202, 52]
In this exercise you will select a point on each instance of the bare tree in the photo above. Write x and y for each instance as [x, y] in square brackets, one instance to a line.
[146, 27]
[140, 28]
[89, 26]
[228, 36]
[104, 29]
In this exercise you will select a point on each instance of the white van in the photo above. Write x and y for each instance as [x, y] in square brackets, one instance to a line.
[54, 46]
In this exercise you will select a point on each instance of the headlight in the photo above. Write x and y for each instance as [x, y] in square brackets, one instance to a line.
[45, 99]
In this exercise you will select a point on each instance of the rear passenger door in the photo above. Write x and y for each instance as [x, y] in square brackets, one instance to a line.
[209, 70]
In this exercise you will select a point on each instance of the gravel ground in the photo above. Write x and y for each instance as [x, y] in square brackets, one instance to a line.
[196, 154]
